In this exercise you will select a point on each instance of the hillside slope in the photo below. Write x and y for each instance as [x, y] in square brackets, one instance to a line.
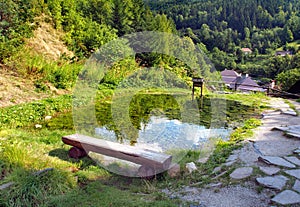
[14, 88]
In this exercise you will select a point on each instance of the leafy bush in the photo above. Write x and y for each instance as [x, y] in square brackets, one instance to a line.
[288, 78]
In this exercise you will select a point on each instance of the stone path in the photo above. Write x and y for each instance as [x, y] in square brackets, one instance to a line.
[269, 159]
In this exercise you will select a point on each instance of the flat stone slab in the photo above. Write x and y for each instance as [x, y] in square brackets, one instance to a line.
[295, 173]
[296, 186]
[290, 131]
[276, 161]
[289, 112]
[269, 170]
[293, 160]
[277, 182]
[287, 197]
[241, 173]
[297, 151]
[294, 135]
[280, 128]
[232, 157]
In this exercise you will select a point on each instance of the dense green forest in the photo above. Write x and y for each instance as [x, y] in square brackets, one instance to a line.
[225, 27]
[220, 28]
[88, 24]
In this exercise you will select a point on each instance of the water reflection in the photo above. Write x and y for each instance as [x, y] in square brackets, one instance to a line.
[162, 134]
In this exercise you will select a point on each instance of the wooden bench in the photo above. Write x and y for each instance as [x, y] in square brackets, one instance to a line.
[151, 162]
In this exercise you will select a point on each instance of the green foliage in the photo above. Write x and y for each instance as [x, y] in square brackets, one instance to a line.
[241, 133]
[288, 78]
[24, 114]
[15, 25]
[31, 190]
[61, 73]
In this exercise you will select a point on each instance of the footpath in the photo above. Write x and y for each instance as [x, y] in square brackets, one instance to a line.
[265, 172]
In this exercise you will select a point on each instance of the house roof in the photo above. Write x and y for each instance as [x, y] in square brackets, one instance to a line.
[247, 84]
[229, 73]
[283, 53]
[244, 83]
[246, 49]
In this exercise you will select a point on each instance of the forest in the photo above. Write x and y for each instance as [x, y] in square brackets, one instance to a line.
[225, 27]
[219, 28]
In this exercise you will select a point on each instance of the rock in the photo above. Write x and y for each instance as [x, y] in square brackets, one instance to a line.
[228, 164]
[241, 173]
[203, 160]
[297, 151]
[174, 170]
[280, 128]
[192, 190]
[276, 161]
[289, 112]
[276, 182]
[38, 126]
[231, 158]
[217, 169]
[191, 167]
[296, 186]
[7, 185]
[293, 160]
[48, 118]
[269, 170]
[295, 173]
[214, 185]
[294, 135]
[287, 197]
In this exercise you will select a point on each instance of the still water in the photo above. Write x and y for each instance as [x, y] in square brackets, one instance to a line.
[164, 122]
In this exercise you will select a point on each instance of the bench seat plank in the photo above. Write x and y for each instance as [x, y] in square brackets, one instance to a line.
[137, 155]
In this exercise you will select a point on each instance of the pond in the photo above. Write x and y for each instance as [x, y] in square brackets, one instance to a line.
[162, 121]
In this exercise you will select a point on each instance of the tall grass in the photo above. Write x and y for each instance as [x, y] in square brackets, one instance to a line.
[61, 73]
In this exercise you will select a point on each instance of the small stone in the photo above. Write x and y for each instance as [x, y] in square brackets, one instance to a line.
[297, 151]
[215, 185]
[241, 173]
[203, 160]
[231, 158]
[269, 170]
[217, 169]
[7, 185]
[287, 197]
[174, 170]
[191, 167]
[228, 164]
[276, 161]
[293, 159]
[48, 118]
[188, 189]
[296, 186]
[276, 182]
[38, 126]
[295, 173]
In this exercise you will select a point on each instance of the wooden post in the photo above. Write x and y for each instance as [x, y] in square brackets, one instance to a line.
[197, 82]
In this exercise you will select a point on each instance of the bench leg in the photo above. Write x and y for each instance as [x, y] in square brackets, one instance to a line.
[77, 153]
[146, 172]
